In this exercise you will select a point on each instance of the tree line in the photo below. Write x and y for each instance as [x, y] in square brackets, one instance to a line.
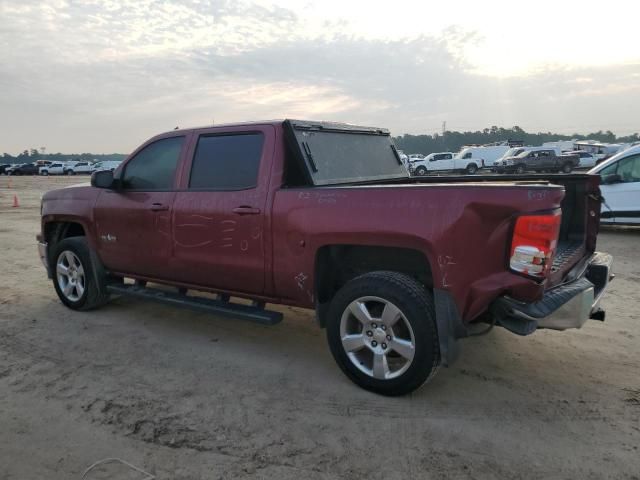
[454, 141]
[448, 142]
[32, 155]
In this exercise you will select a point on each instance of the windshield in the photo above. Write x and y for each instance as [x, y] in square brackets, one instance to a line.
[512, 152]
[522, 154]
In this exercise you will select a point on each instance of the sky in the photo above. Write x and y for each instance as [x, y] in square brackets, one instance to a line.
[102, 76]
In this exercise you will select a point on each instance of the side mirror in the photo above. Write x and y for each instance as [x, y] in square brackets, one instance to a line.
[102, 179]
[611, 179]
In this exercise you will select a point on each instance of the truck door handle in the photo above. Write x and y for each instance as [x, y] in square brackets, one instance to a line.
[159, 207]
[245, 210]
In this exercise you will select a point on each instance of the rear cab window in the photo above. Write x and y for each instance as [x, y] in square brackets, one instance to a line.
[226, 161]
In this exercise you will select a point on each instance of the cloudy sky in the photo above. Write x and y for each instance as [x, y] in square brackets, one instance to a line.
[104, 75]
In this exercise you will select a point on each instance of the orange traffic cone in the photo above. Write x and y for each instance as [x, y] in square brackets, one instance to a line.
[16, 203]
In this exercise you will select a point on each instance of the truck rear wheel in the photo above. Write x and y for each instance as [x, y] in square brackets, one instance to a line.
[73, 275]
[382, 332]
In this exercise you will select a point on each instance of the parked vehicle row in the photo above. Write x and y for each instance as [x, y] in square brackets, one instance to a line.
[57, 168]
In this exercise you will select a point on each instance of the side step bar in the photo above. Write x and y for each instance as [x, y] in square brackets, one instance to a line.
[255, 313]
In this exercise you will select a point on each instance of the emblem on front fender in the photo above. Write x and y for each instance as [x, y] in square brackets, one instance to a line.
[108, 238]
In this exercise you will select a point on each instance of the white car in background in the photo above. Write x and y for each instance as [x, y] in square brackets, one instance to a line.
[620, 187]
[480, 156]
[106, 165]
[75, 168]
[56, 168]
[587, 160]
[434, 162]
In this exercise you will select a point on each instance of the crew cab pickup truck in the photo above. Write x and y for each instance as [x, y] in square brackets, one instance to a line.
[537, 160]
[55, 168]
[324, 216]
[75, 168]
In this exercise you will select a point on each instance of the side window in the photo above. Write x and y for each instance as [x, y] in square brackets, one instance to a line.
[438, 157]
[226, 162]
[153, 167]
[467, 155]
[629, 169]
[448, 156]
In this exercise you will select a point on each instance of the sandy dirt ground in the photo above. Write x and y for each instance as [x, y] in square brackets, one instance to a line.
[185, 395]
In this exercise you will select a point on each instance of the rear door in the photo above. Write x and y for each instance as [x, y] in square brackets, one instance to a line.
[622, 197]
[133, 223]
[219, 212]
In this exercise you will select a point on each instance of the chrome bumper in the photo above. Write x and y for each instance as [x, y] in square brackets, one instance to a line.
[567, 306]
[42, 251]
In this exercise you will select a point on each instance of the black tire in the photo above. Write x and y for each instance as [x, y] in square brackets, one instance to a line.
[70, 172]
[421, 171]
[45, 173]
[94, 294]
[520, 169]
[472, 168]
[418, 310]
[567, 168]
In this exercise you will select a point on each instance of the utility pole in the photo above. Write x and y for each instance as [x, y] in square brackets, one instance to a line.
[444, 129]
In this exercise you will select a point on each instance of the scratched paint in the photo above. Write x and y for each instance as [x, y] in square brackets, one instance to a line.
[445, 262]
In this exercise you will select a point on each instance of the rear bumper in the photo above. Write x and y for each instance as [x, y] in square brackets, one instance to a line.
[568, 305]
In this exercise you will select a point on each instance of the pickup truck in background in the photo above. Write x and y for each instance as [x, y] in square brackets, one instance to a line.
[537, 160]
[324, 216]
[75, 168]
[23, 169]
[433, 162]
[56, 168]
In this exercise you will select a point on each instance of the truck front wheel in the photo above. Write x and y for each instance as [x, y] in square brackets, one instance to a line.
[382, 332]
[421, 171]
[472, 168]
[73, 275]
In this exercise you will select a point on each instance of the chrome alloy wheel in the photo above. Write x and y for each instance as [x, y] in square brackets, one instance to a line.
[70, 275]
[377, 337]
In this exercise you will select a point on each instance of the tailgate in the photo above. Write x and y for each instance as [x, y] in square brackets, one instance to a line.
[580, 222]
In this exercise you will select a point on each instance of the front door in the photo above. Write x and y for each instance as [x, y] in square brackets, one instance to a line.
[442, 161]
[219, 213]
[133, 223]
[622, 197]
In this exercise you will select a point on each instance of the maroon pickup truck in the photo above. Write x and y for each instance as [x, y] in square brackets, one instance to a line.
[324, 216]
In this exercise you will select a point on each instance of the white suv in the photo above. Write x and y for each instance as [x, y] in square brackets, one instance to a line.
[620, 187]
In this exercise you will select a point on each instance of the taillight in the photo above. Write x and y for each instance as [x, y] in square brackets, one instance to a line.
[534, 243]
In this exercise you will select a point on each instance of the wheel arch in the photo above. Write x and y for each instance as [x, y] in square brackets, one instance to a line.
[336, 264]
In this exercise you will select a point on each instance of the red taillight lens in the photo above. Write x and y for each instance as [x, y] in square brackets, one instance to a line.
[534, 242]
